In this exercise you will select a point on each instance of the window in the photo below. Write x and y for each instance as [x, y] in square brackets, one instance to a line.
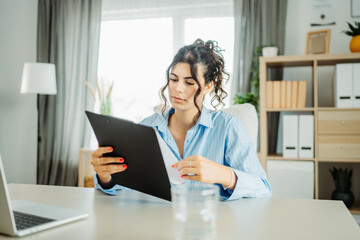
[134, 54]
[139, 38]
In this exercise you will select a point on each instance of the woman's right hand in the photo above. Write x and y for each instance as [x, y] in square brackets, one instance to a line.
[104, 166]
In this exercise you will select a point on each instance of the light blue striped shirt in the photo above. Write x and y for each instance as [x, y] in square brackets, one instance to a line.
[220, 137]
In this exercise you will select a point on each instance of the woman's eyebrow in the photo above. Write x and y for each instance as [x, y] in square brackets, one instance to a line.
[174, 74]
[184, 77]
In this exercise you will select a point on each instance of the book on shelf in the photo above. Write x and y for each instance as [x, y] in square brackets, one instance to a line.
[276, 94]
[283, 94]
[286, 94]
[301, 94]
[268, 93]
[294, 92]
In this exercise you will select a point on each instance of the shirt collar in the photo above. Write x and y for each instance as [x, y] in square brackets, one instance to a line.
[205, 119]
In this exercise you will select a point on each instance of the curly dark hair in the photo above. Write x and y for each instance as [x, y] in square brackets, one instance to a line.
[208, 54]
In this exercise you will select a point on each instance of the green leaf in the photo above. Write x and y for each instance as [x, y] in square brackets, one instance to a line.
[354, 29]
[351, 26]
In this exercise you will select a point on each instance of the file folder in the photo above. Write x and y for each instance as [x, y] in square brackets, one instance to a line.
[343, 85]
[306, 136]
[290, 136]
[141, 151]
[356, 82]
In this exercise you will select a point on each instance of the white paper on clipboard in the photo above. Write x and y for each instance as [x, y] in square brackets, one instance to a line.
[169, 160]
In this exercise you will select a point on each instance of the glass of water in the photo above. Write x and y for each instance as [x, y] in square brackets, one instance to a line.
[195, 209]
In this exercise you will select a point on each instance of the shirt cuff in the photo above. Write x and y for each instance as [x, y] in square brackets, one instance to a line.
[109, 188]
[248, 185]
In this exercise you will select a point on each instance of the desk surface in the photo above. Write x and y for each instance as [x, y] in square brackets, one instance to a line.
[133, 215]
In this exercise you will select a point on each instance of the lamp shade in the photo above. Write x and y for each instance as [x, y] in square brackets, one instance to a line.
[39, 78]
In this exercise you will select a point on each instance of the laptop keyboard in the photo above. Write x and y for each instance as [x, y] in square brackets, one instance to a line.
[24, 220]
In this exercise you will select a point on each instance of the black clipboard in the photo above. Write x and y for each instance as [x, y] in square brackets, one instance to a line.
[139, 147]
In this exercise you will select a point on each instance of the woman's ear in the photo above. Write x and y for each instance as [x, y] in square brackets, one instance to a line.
[208, 87]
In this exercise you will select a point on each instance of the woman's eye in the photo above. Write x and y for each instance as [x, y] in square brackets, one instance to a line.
[172, 79]
[190, 83]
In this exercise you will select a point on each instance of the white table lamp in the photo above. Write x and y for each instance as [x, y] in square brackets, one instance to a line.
[39, 78]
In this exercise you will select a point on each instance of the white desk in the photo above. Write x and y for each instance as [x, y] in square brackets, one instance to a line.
[132, 215]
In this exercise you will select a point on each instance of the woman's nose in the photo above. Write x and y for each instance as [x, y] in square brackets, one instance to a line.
[179, 87]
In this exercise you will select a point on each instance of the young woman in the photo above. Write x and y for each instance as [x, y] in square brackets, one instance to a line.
[212, 147]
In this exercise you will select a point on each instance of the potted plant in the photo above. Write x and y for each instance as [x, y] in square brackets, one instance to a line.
[342, 180]
[269, 50]
[241, 98]
[355, 33]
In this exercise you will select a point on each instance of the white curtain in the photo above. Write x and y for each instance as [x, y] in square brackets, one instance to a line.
[68, 36]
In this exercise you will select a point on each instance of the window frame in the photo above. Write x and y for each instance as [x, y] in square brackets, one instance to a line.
[117, 10]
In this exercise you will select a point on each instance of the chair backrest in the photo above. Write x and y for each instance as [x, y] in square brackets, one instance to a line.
[247, 115]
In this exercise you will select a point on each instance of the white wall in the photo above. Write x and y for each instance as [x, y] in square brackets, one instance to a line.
[299, 16]
[18, 113]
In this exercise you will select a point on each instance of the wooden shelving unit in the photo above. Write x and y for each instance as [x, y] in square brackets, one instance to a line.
[299, 61]
[356, 208]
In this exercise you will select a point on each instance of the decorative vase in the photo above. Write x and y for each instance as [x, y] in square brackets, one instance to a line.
[105, 107]
[346, 197]
[355, 44]
[270, 51]
[342, 180]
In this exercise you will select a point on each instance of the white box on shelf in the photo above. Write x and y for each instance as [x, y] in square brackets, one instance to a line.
[343, 85]
[306, 136]
[356, 82]
[290, 136]
[291, 179]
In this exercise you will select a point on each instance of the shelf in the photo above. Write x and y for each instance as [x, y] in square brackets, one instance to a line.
[337, 109]
[280, 157]
[311, 62]
[308, 60]
[336, 160]
[309, 109]
[289, 109]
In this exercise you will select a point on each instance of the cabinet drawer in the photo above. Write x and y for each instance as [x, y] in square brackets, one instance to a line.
[339, 122]
[339, 146]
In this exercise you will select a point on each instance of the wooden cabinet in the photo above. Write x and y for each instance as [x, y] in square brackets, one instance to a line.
[339, 134]
[339, 146]
[336, 130]
[339, 122]
[85, 169]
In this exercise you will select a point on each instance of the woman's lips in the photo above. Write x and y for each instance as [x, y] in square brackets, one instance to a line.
[178, 99]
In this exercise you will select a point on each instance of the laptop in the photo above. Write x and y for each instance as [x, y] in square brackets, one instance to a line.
[20, 218]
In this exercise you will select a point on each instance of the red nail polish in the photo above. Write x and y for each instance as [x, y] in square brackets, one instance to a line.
[121, 160]
[173, 165]
[110, 149]
[124, 167]
[182, 176]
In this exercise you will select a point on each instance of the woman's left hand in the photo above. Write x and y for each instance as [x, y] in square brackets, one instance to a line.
[204, 170]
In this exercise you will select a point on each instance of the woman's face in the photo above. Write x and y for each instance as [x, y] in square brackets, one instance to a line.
[182, 87]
